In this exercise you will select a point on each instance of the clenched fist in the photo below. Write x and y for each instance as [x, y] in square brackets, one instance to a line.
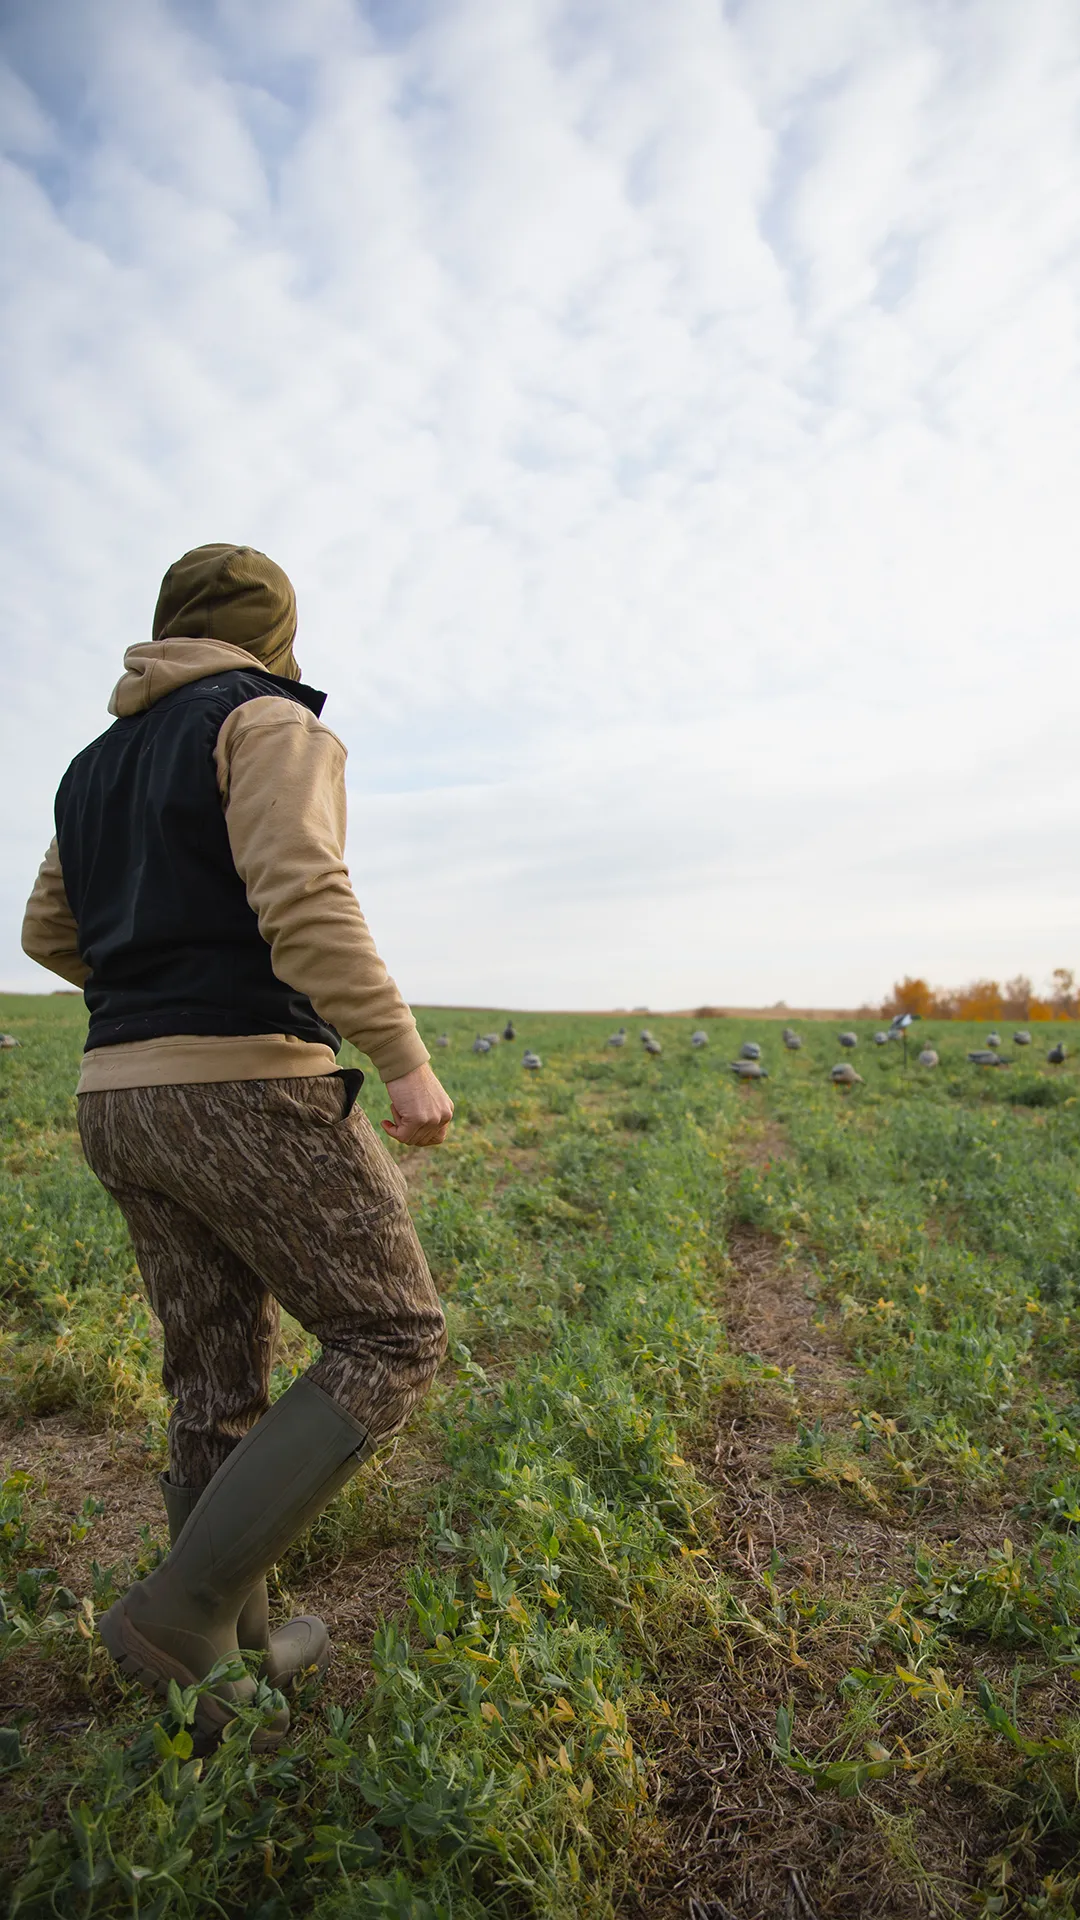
[421, 1108]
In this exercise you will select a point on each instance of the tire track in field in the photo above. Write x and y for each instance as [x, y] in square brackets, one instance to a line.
[748, 1839]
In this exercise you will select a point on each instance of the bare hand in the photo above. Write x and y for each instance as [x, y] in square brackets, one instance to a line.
[421, 1108]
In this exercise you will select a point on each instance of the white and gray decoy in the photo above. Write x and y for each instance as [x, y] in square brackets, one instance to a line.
[1021, 1039]
[848, 1039]
[652, 1046]
[792, 1041]
[481, 1044]
[749, 1050]
[882, 1039]
[928, 1058]
[748, 1069]
[531, 1060]
[617, 1039]
[442, 1040]
[993, 1040]
[8, 1040]
[845, 1075]
[699, 1039]
[986, 1057]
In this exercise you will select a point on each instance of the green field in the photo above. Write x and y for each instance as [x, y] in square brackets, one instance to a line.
[731, 1569]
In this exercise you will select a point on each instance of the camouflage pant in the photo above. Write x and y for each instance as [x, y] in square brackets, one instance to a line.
[246, 1193]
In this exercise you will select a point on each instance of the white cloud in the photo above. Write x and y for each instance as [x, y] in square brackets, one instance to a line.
[670, 420]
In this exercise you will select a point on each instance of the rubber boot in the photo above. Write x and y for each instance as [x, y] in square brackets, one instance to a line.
[181, 1620]
[301, 1647]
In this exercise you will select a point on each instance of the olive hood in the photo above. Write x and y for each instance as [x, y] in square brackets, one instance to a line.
[232, 594]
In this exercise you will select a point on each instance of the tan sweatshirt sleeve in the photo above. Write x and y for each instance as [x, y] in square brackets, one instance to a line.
[49, 933]
[282, 779]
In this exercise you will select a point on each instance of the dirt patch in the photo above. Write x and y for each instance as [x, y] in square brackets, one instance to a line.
[115, 1468]
[747, 1839]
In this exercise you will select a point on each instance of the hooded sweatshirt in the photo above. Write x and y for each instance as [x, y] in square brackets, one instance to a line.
[280, 779]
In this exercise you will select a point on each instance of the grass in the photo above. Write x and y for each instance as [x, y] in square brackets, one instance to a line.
[734, 1556]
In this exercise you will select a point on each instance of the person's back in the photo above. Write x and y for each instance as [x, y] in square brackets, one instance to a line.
[197, 891]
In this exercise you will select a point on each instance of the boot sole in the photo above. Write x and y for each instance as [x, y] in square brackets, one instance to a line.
[140, 1660]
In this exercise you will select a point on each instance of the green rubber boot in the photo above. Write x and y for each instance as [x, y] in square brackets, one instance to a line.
[300, 1649]
[178, 1622]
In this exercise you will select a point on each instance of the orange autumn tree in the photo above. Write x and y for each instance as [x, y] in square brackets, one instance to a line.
[985, 1000]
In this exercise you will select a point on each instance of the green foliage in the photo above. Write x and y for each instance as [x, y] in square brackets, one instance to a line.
[565, 1554]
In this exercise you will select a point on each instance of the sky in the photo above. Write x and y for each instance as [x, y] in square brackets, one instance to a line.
[669, 417]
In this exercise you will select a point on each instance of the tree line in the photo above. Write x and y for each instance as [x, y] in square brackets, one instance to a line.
[987, 1000]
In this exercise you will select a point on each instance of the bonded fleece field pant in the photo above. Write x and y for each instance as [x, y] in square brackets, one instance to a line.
[243, 1194]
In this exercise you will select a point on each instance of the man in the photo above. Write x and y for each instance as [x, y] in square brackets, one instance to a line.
[197, 891]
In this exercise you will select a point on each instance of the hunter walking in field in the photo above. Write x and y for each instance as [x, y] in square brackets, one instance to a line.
[197, 891]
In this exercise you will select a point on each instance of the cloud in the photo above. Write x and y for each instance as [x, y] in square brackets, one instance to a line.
[669, 420]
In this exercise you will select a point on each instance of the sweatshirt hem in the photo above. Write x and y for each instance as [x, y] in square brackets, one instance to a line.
[183, 1059]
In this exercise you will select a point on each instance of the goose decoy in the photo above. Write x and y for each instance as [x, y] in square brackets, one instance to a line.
[845, 1075]
[645, 1034]
[748, 1070]
[1056, 1055]
[882, 1039]
[481, 1044]
[442, 1040]
[509, 1031]
[986, 1057]
[928, 1058]
[530, 1060]
[699, 1039]
[993, 1040]
[749, 1050]
[493, 1039]
[8, 1040]
[848, 1039]
[652, 1046]
[1021, 1039]
[792, 1041]
[617, 1039]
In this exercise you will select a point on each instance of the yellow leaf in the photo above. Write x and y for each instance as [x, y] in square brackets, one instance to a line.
[562, 1759]
[490, 1713]
[517, 1611]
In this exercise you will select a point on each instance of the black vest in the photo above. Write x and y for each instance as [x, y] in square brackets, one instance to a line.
[163, 918]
